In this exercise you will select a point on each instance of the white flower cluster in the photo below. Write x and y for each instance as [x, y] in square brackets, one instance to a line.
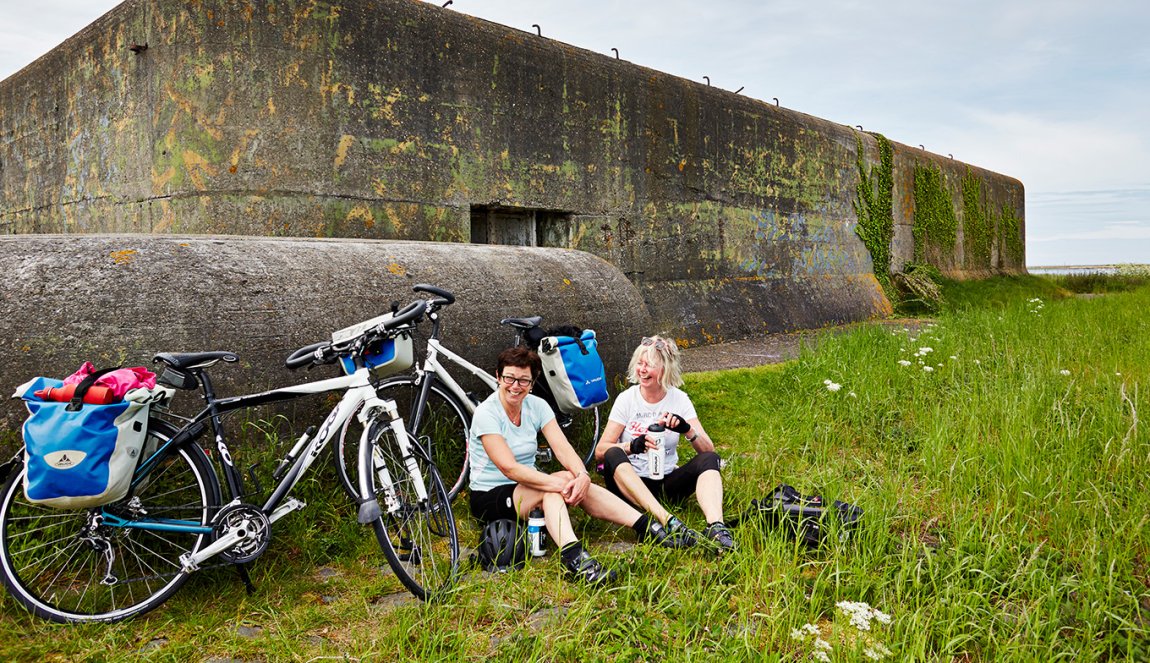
[1034, 305]
[832, 386]
[861, 614]
[1064, 372]
[822, 647]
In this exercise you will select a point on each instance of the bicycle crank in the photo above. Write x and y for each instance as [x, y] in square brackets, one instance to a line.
[252, 527]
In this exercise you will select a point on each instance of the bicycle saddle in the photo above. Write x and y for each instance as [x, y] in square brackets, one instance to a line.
[185, 360]
[522, 323]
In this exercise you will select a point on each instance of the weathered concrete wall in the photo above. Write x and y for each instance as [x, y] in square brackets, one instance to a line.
[121, 299]
[991, 201]
[393, 118]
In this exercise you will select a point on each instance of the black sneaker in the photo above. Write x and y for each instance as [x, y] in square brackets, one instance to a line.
[589, 570]
[721, 536]
[668, 539]
[677, 528]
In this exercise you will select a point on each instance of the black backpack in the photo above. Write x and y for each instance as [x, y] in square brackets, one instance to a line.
[805, 517]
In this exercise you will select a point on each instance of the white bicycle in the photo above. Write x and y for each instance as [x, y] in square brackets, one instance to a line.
[438, 410]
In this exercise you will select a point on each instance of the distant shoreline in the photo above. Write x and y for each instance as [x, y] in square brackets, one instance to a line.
[1083, 269]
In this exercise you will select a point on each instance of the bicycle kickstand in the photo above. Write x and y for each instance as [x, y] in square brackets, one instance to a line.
[243, 571]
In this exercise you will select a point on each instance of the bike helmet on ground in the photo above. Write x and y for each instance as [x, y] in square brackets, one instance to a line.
[502, 547]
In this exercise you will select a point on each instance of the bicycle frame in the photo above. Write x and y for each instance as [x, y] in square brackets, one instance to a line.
[359, 395]
[432, 366]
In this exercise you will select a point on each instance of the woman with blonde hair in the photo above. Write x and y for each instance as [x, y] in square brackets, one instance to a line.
[655, 397]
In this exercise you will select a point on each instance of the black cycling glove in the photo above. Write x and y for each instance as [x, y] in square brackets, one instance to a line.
[678, 424]
[638, 445]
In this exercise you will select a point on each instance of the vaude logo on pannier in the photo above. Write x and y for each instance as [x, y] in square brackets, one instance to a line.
[64, 460]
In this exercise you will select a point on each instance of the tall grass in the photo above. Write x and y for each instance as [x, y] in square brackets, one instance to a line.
[1005, 519]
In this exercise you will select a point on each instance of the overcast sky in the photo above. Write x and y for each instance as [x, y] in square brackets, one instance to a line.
[1055, 93]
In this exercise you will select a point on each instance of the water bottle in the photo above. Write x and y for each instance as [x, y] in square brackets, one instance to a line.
[656, 457]
[536, 536]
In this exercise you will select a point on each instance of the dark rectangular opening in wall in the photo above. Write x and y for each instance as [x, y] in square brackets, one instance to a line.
[553, 229]
[520, 226]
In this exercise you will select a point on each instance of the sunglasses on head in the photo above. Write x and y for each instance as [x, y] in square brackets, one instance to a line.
[659, 343]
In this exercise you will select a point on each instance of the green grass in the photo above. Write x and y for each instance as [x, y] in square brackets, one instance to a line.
[1127, 277]
[1005, 519]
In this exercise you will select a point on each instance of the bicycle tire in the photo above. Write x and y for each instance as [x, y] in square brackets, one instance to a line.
[345, 451]
[418, 537]
[55, 570]
[444, 430]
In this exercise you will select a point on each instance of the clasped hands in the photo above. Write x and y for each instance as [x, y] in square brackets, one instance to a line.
[576, 489]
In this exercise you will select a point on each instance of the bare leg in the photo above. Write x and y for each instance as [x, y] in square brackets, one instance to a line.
[633, 487]
[709, 491]
[603, 504]
[555, 514]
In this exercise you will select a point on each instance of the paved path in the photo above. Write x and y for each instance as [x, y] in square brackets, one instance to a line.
[769, 349]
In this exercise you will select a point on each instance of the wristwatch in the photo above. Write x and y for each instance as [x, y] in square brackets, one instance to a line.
[692, 438]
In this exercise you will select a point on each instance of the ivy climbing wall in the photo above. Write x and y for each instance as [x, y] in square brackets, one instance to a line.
[397, 119]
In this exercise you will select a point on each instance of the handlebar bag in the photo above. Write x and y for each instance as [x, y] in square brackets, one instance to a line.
[574, 371]
[386, 356]
[79, 455]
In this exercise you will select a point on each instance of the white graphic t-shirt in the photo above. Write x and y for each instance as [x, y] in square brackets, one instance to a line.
[636, 414]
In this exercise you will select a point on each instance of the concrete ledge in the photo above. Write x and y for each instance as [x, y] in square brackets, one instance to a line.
[119, 299]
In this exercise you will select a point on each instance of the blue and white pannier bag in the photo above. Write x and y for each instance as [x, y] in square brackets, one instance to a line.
[85, 457]
[574, 371]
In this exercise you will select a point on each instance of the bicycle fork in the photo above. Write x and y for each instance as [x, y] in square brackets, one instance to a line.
[372, 462]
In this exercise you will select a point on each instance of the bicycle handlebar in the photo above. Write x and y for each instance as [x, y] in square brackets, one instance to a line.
[443, 297]
[323, 352]
[411, 312]
[306, 355]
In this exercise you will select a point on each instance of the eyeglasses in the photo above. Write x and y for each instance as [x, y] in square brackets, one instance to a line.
[659, 343]
[511, 380]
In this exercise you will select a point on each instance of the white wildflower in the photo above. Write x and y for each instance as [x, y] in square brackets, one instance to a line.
[903, 362]
[1064, 372]
[834, 386]
[926, 350]
[977, 362]
[954, 358]
[877, 651]
[928, 369]
[880, 616]
[811, 629]
[821, 656]
[1117, 373]
[822, 644]
[796, 634]
[827, 382]
[853, 395]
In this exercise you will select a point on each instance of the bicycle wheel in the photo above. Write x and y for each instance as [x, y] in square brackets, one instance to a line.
[418, 537]
[345, 454]
[68, 566]
[443, 429]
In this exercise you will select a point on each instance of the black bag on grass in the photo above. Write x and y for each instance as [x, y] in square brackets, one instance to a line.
[806, 517]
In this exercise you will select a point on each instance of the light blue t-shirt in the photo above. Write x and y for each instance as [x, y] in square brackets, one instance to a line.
[523, 439]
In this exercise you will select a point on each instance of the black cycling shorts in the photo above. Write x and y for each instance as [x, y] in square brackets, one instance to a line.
[676, 486]
[494, 504]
